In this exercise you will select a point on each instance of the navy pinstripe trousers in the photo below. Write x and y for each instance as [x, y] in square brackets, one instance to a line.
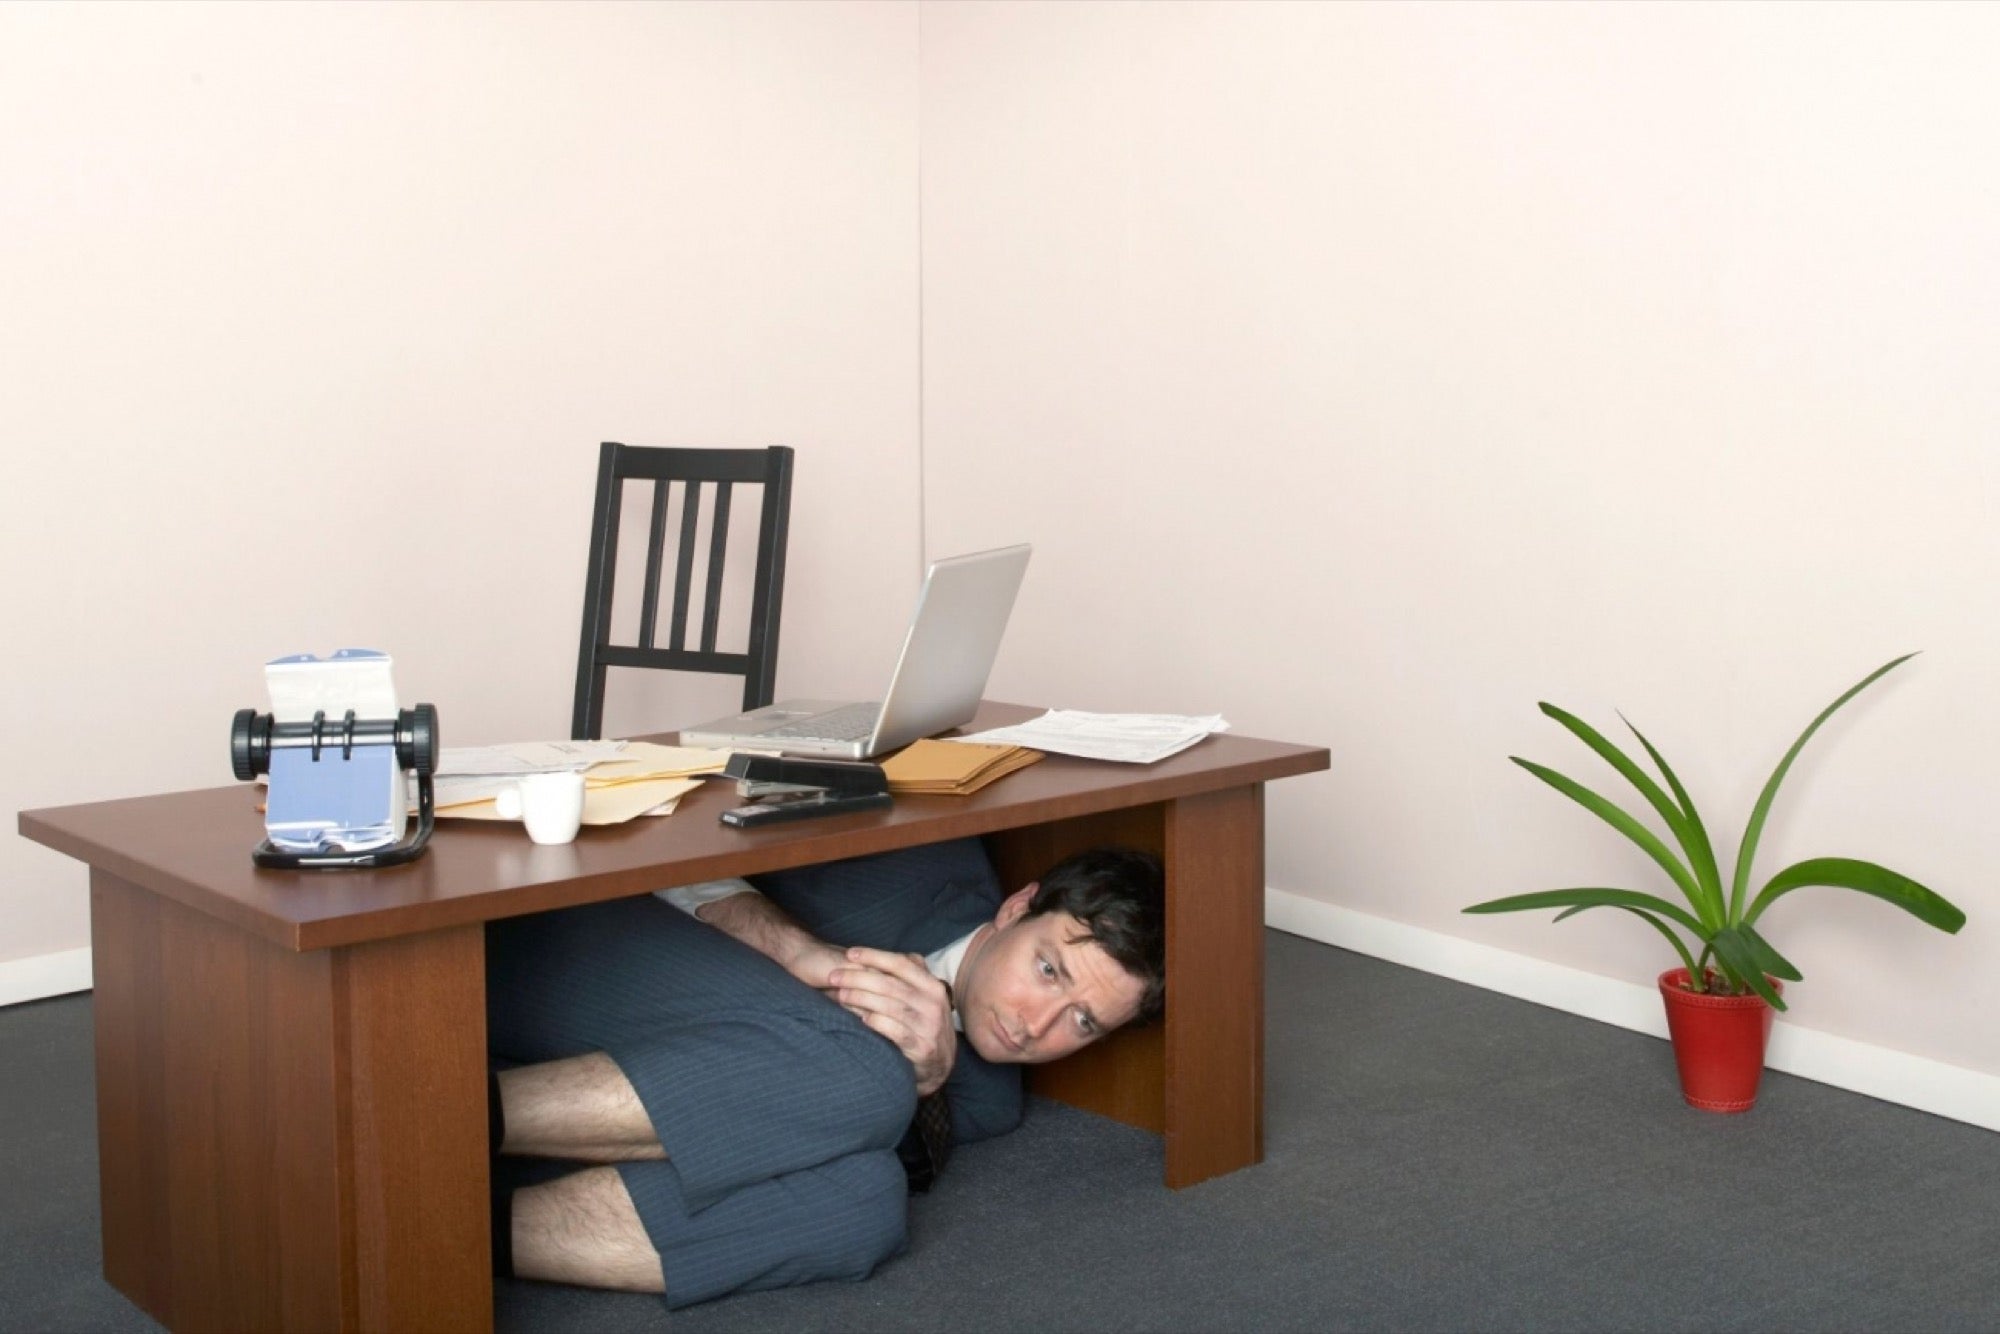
[779, 1110]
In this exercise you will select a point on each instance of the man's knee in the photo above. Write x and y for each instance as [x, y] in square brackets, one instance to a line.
[839, 1221]
[883, 1102]
[871, 1223]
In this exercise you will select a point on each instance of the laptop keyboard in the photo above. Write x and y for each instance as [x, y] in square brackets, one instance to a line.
[853, 722]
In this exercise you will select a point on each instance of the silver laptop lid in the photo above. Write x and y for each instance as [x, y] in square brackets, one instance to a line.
[949, 651]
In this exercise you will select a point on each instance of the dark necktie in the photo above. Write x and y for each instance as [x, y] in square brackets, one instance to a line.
[927, 1143]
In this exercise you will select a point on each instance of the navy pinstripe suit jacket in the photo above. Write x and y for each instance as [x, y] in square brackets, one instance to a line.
[913, 902]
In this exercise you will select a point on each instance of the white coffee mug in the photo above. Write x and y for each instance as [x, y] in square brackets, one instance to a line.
[550, 805]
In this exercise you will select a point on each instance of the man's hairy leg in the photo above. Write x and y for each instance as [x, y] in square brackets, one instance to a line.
[584, 1229]
[582, 1108]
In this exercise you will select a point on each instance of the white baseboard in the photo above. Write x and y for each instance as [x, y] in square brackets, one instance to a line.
[44, 975]
[1893, 1076]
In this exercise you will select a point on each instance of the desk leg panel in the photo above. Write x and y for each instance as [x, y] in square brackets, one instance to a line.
[256, 1113]
[415, 1143]
[1215, 995]
[127, 986]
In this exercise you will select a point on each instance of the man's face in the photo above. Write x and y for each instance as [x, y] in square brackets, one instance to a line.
[1032, 990]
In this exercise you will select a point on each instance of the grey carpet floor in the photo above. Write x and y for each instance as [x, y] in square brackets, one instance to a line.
[1437, 1158]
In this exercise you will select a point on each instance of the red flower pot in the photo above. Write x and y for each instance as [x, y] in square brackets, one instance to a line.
[1718, 1043]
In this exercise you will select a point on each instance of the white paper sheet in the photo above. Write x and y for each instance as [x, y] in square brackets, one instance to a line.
[1129, 738]
[524, 757]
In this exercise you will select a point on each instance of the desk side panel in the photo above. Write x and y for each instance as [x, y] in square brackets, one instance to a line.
[216, 1119]
[290, 1141]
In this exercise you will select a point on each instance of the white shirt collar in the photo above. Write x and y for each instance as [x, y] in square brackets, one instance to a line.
[944, 964]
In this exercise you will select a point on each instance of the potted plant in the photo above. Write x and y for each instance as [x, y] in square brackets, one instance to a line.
[1720, 1002]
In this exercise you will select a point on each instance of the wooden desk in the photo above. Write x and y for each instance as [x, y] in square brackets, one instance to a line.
[291, 1066]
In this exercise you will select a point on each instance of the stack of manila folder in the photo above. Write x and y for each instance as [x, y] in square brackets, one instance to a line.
[953, 768]
[645, 779]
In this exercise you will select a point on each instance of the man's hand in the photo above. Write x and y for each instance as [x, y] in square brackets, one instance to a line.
[895, 995]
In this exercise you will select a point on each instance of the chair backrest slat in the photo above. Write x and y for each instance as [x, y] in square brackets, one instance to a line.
[718, 539]
[684, 566]
[649, 603]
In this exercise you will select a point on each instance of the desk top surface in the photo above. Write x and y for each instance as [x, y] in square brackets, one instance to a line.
[194, 847]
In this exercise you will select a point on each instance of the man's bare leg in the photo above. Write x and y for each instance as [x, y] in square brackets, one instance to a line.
[584, 1229]
[582, 1108]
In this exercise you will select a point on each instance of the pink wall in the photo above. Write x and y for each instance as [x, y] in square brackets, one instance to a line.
[1370, 372]
[421, 260]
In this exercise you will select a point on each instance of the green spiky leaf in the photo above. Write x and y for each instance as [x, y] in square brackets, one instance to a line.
[1767, 956]
[1700, 851]
[1880, 882]
[1687, 957]
[1754, 831]
[1592, 898]
[1708, 902]
[1616, 817]
[1740, 959]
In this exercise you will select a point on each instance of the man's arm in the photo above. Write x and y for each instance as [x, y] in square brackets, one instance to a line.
[894, 994]
[765, 927]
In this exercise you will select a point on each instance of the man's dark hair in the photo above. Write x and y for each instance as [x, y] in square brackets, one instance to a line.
[1120, 896]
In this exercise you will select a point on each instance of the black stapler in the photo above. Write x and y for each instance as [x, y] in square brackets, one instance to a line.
[782, 787]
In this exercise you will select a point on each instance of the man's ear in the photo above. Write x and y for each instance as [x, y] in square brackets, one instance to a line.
[1016, 905]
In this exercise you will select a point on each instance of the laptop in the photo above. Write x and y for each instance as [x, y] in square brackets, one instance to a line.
[947, 655]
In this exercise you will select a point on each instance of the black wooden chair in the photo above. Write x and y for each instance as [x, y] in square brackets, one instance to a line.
[719, 470]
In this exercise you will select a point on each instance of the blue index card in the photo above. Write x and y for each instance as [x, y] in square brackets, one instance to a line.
[349, 805]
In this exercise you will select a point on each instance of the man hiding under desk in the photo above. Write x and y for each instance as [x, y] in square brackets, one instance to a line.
[762, 1073]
